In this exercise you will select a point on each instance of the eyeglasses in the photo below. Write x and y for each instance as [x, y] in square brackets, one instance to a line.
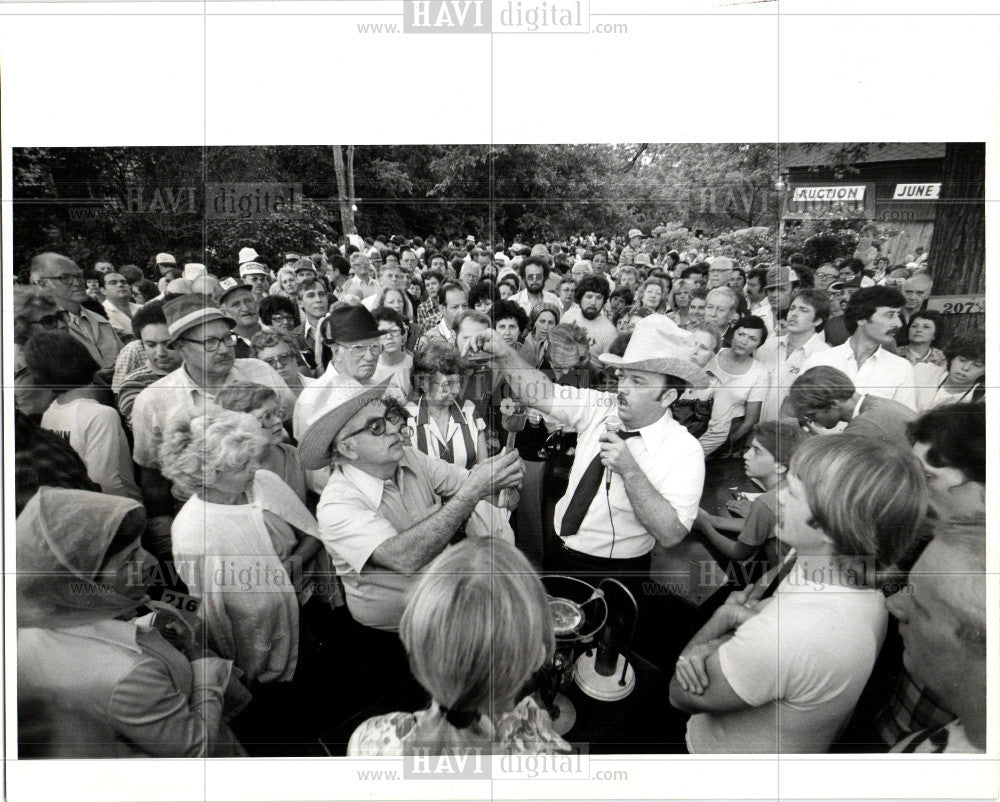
[390, 333]
[358, 351]
[49, 322]
[281, 361]
[213, 344]
[379, 426]
[67, 279]
[271, 416]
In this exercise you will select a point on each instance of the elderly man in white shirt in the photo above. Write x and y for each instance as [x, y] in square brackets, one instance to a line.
[807, 315]
[203, 336]
[872, 317]
[631, 489]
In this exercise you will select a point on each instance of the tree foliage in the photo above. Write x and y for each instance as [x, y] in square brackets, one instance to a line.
[126, 204]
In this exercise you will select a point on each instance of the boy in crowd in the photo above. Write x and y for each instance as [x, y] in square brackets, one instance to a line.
[765, 462]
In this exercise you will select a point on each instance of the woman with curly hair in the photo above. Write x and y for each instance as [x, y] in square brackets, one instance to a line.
[442, 427]
[240, 541]
[653, 294]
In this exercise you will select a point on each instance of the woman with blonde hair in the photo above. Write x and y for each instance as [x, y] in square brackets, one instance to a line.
[476, 630]
[783, 672]
[240, 541]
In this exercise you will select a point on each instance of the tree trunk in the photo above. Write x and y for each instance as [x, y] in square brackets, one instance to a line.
[345, 189]
[958, 246]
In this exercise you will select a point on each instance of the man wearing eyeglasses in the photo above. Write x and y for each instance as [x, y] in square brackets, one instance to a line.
[355, 343]
[63, 279]
[203, 336]
[383, 514]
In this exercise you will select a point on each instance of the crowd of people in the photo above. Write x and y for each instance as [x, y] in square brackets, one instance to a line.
[221, 476]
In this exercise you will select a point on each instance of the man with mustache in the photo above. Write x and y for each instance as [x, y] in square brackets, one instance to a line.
[873, 319]
[637, 476]
[534, 296]
[591, 294]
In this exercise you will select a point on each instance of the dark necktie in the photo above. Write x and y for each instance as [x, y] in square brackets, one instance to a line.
[584, 494]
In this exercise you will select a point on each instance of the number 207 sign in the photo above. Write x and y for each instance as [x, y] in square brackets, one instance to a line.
[958, 304]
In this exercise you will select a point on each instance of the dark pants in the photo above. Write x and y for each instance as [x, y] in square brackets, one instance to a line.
[631, 572]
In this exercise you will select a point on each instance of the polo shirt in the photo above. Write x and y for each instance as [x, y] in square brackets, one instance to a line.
[882, 419]
[358, 512]
[669, 456]
[882, 374]
[120, 322]
[177, 392]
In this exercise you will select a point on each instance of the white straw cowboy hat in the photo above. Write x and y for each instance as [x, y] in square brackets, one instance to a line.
[659, 345]
[327, 419]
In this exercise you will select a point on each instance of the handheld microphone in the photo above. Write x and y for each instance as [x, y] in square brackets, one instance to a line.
[612, 424]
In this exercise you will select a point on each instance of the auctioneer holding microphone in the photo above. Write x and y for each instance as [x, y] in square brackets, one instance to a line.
[628, 489]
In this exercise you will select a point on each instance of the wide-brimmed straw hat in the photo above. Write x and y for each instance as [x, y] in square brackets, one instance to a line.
[659, 345]
[339, 406]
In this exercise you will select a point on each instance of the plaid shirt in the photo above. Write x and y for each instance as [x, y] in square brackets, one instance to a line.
[429, 313]
[912, 708]
[44, 458]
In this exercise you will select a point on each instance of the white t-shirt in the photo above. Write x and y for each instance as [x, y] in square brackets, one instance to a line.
[95, 432]
[801, 663]
[735, 391]
[600, 331]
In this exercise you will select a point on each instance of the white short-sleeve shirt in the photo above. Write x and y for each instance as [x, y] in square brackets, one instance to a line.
[800, 663]
[669, 456]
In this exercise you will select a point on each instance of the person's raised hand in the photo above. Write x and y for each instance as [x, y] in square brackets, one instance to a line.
[490, 342]
[503, 471]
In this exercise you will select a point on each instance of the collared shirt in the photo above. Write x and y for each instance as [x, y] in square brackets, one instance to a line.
[531, 304]
[97, 334]
[668, 455]
[883, 374]
[358, 512]
[355, 286]
[119, 320]
[129, 360]
[785, 368]
[440, 332]
[429, 313]
[177, 392]
[151, 698]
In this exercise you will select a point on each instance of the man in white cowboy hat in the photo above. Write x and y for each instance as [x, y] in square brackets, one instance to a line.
[203, 337]
[383, 515]
[628, 489]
